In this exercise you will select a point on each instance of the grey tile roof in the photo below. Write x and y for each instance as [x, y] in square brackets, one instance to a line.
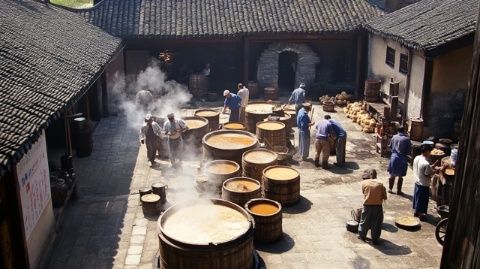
[208, 18]
[428, 24]
[48, 56]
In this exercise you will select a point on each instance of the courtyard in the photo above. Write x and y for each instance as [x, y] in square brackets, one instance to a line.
[104, 227]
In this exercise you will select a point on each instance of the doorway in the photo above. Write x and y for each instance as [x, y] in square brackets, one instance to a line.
[287, 67]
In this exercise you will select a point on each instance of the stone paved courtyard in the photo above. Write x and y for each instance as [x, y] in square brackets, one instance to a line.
[105, 227]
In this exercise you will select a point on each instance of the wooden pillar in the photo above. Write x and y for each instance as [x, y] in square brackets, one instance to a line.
[246, 57]
[427, 82]
[462, 242]
[360, 64]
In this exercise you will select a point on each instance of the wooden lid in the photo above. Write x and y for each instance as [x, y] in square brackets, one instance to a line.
[278, 172]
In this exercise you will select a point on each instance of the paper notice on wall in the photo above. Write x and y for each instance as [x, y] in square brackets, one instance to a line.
[33, 182]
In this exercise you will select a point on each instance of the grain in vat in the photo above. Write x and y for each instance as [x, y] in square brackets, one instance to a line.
[256, 160]
[197, 128]
[228, 144]
[239, 190]
[268, 219]
[257, 112]
[282, 184]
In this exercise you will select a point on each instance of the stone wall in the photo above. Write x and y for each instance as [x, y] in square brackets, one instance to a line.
[267, 67]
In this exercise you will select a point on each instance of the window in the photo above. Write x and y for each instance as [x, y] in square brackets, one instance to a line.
[403, 63]
[390, 58]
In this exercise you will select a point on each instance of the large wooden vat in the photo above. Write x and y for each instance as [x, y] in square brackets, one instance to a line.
[268, 219]
[272, 133]
[228, 144]
[198, 235]
[293, 117]
[256, 160]
[218, 171]
[212, 116]
[253, 89]
[282, 184]
[257, 112]
[240, 190]
[198, 85]
[372, 90]
[197, 128]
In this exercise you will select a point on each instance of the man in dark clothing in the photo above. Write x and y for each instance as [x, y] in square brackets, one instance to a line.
[233, 102]
[400, 146]
[149, 134]
[304, 123]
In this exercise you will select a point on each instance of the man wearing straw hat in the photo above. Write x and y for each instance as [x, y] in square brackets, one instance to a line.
[232, 101]
[149, 133]
[174, 129]
[304, 122]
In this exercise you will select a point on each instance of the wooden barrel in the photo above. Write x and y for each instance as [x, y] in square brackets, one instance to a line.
[372, 90]
[220, 170]
[285, 119]
[256, 160]
[144, 191]
[198, 85]
[271, 93]
[272, 133]
[282, 184]
[257, 112]
[212, 116]
[329, 106]
[160, 189]
[185, 243]
[150, 204]
[234, 126]
[228, 144]
[416, 129]
[253, 89]
[240, 190]
[197, 128]
[293, 117]
[268, 219]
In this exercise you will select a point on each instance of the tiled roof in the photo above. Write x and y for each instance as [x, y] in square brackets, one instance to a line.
[208, 18]
[428, 24]
[48, 57]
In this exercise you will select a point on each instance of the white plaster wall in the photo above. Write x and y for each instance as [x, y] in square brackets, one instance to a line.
[417, 75]
[41, 235]
[378, 69]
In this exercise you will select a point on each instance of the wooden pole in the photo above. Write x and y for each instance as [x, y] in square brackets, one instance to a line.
[462, 242]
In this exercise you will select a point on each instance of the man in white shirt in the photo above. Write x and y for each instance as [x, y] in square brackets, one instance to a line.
[173, 129]
[422, 174]
[244, 95]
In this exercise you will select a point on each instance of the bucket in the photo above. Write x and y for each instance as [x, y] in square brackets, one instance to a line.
[282, 184]
[198, 85]
[212, 116]
[220, 170]
[240, 190]
[159, 189]
[228, 144]
[271, 93]
[416, 129]
[272, 133]
[257, 112]
[197, 128]
[268, 219]
[256, 160]
[184, 244]
[144, 191]
[150, 204]
[372, 90]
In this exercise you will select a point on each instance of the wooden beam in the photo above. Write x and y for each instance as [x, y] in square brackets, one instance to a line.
[427, 83]
[359, 76]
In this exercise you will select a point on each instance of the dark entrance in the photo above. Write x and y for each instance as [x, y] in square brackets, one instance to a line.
[287, 66]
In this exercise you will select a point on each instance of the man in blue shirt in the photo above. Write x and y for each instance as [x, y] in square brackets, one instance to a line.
[232, 101]
[341, 137]
[323, 131]
[298, 97]
[400, 146]
[303, 124]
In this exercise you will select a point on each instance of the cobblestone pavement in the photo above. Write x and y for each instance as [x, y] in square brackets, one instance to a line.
[105, 227]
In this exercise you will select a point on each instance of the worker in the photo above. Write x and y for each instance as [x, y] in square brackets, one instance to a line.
[232, 101]
[304, 123]
[244, 95]
[323, 131]
[422, 173]
[374, 193]
[297, 97]
[173, 129]
[400, 147]
[341, 140]
[149, 134]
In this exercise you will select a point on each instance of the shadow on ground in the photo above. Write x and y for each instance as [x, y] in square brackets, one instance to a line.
[302, 206]
[284, 244]
[389, 248]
